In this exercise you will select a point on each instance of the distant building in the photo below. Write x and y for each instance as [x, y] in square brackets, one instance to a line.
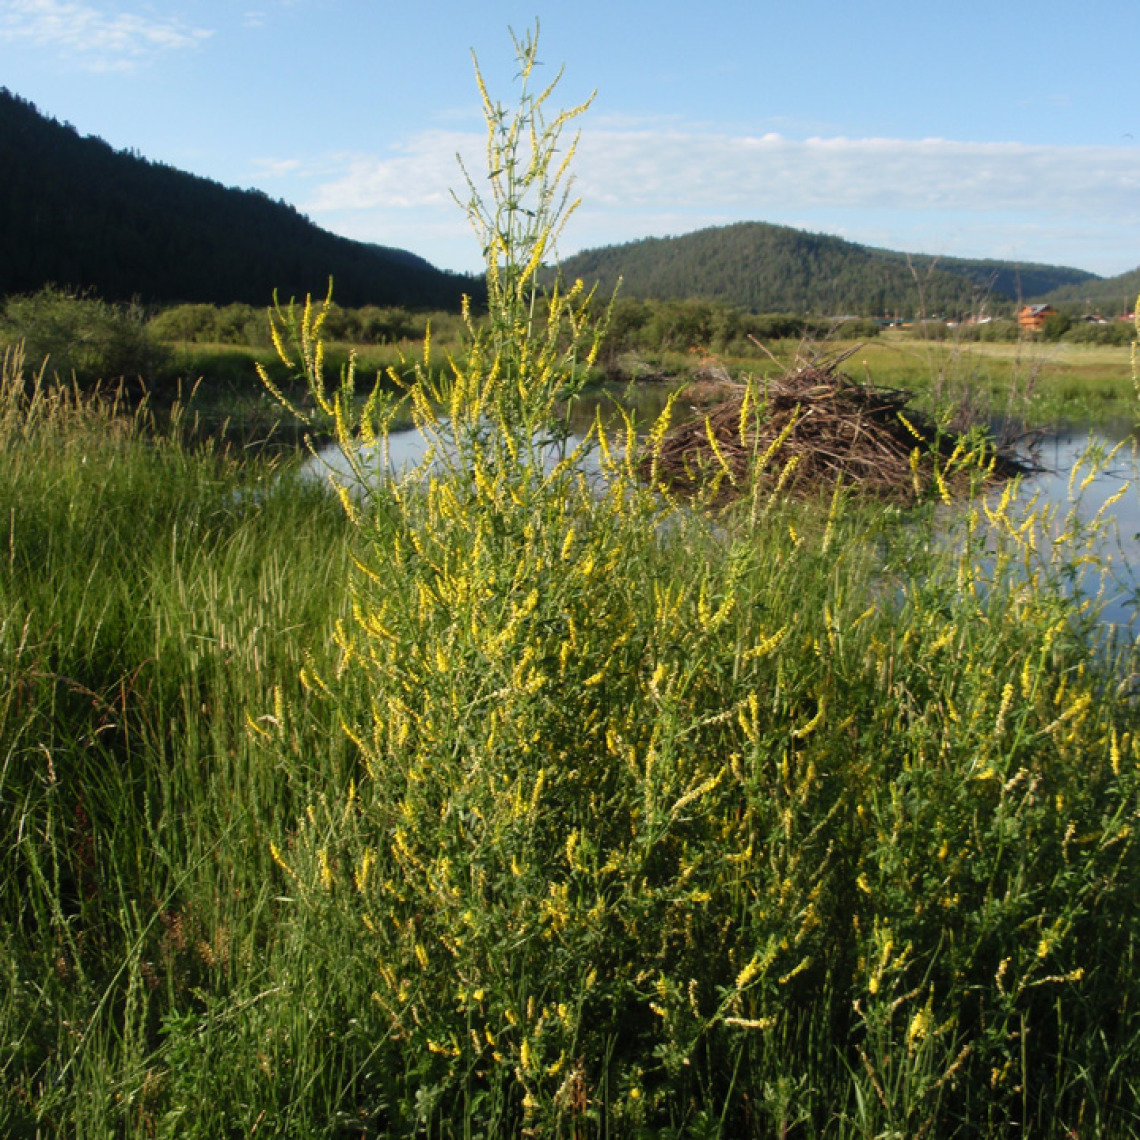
[1032, 317]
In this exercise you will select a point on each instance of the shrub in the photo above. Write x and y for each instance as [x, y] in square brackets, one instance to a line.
[1119, 333]
[82, 336]
[1055, 327]
[197, 324]
[666, 825]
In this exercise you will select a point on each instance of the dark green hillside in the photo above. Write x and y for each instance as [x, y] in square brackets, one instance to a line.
[1109, 295]
[1003, 279]
[766, 268]
[77, 213]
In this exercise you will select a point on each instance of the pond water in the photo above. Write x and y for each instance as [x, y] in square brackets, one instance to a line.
[407, 448]
[1056, 454]
[1114, 450]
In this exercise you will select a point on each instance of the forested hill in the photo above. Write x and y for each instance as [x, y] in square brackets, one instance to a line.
[76, 213]
[1108, 295]
[768, 269]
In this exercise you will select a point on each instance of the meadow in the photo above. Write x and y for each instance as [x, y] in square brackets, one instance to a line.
[500, 801]
[1033, 384]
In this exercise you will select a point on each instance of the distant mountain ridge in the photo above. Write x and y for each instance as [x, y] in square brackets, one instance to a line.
[766, 268]
[74, 212]
[1108, 295]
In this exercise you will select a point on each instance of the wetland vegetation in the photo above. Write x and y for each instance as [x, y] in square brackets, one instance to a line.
[487, 804]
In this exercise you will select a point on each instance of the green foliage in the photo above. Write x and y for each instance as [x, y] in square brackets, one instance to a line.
[1059, 327]
[143, 229]
[82, 336]
[148, 594]
[193, 323]
[1112, 295]
[649, 325]
[990, 332]
[673, 826]
[1089, 332]
[1055, 327]
[764, 268]
[238, 324]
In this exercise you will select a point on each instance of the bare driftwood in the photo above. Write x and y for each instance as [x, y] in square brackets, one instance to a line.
[830, 429]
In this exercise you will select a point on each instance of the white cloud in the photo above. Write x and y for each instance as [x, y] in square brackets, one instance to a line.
[1032, 202]
[268, 168]
[422, 174]
[718, 171]
[102, 40]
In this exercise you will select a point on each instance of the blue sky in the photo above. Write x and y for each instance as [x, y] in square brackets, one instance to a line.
[970, 129]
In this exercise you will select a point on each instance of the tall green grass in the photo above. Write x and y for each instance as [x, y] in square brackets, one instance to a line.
[153, 597]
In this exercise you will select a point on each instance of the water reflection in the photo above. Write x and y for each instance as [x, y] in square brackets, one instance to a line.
[407, 449]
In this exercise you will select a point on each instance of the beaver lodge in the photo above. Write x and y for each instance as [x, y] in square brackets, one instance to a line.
[813, 427]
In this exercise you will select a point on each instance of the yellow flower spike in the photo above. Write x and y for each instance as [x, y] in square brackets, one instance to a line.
[704, 607]
[911, 428]
[279, 859]
[535, 261]
[786, 474]
[347, 505]
[1027, 680]
[360, 876]
[797, 969]
[750, 971]
[745, 407]
[920, 1026]
[698, 792]
[812, 725]
[1109, 504]
[915, 456]
[1006, 701]
[278, 395]
[943, 489]
[630, 449]
[536, 793]
[279, 347]
[721, 458]
[264, 733]
[750, 1022]
[319, 320]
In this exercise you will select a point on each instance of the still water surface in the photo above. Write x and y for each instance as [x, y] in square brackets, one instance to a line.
[1082, 447]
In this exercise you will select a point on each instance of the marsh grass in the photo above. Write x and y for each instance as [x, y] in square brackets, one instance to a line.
[153, 595]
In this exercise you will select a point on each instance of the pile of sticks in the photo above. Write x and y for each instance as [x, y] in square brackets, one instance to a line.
[834, 428]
